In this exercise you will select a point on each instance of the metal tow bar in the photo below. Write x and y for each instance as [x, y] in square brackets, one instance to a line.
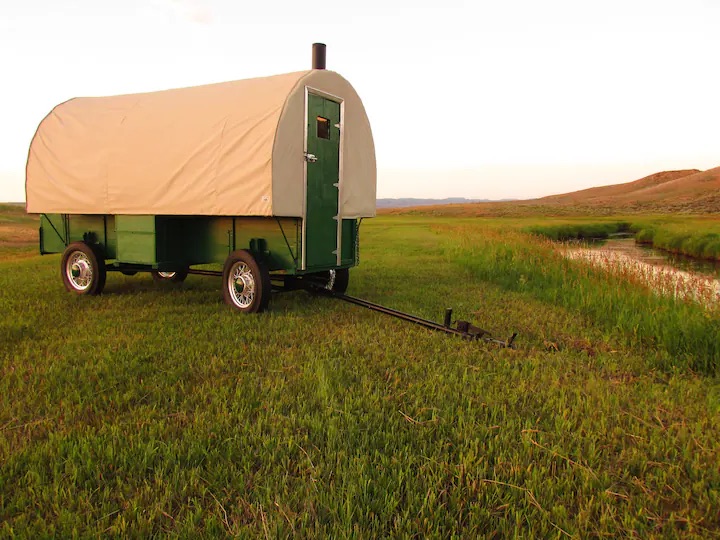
[463, 329]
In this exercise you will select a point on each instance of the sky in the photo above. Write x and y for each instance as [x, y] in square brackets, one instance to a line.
[479, 99]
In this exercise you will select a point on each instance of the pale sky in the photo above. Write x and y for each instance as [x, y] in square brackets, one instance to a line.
[484, 99]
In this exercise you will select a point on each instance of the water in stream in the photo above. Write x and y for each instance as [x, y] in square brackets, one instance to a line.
[662, 271]
[658, 257]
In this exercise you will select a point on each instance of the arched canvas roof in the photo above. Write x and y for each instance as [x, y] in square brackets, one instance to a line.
[233, 148]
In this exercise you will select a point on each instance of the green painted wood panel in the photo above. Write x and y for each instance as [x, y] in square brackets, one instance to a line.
[349, 233]
[58, 230]
[173, 242]
[86, 228]
[110, 245]
[322, 193]
[206, 239]
[135, 239]
[52, 233]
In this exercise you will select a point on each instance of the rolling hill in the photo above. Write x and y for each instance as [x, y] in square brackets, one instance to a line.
[687, 191]
[603, 193]
[665, 187]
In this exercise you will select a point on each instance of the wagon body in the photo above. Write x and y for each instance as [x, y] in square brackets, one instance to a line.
[263, 175]
[173, 243]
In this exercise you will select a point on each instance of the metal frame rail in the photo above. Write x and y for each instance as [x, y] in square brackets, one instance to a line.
[215, 273]
[463, 329]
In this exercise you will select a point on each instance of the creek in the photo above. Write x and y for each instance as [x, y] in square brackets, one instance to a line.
[627, 247]
[666, 272]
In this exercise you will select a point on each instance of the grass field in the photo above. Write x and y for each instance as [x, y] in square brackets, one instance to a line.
[696, 236]
[156, 411]
[685, 238]
[580, 230]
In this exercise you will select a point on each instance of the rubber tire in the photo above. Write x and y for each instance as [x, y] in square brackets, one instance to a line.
[342, 280]
[179, 276]
[260, 274]
[97, 263]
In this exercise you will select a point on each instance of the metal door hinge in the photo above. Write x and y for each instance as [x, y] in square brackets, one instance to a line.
[310, 158]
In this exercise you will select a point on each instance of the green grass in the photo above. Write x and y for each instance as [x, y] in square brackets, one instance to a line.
[694, 236]
[683, 240]
[159, 411]
[679, 333]
[580, 231]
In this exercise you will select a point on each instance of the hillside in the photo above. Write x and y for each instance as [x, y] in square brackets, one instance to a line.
[700, 184]
[618, 190]
[686, 191]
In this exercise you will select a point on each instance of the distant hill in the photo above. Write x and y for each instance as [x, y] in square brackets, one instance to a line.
[687, 191]
[617, 190]
[406, 202]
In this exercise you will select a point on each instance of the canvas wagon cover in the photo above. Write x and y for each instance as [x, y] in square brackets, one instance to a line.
[233, 148]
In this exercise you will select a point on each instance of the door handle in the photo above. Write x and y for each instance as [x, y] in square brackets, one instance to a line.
[310, 158]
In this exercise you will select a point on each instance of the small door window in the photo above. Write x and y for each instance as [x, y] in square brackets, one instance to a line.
[323, 128]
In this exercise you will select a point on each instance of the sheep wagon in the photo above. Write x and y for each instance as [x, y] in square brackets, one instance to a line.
[269, 177]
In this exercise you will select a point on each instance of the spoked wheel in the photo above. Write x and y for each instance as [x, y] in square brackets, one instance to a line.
[82, 269]
[170, 277]
[246, 282]
[332, 280]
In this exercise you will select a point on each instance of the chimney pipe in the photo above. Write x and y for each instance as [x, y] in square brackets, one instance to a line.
[318, 56]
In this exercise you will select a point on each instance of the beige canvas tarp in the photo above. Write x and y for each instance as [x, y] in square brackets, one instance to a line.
[233, 149]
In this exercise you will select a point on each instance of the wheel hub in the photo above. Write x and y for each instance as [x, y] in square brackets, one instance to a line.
[79, 271]
[242, 285]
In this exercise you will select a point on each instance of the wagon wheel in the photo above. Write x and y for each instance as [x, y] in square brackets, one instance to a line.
[332, 280]
[82, 269]
[246, 282]
[170, 277]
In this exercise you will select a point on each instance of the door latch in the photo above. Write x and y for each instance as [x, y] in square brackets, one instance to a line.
[310, 158]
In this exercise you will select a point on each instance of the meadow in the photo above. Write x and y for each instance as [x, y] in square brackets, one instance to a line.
[672, 210]
[159, 411]
[703, 243]
[695, 236]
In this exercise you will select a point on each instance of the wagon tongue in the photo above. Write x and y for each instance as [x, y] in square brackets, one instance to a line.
[462, 329]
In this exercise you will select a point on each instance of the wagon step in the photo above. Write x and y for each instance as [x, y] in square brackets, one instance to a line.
[463, 329]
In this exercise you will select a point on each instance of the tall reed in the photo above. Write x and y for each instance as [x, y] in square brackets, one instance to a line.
[685, 333]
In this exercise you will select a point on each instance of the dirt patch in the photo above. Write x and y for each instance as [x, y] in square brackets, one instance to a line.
[17, 235]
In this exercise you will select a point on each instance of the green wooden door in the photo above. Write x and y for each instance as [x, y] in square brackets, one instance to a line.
[323, 165]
